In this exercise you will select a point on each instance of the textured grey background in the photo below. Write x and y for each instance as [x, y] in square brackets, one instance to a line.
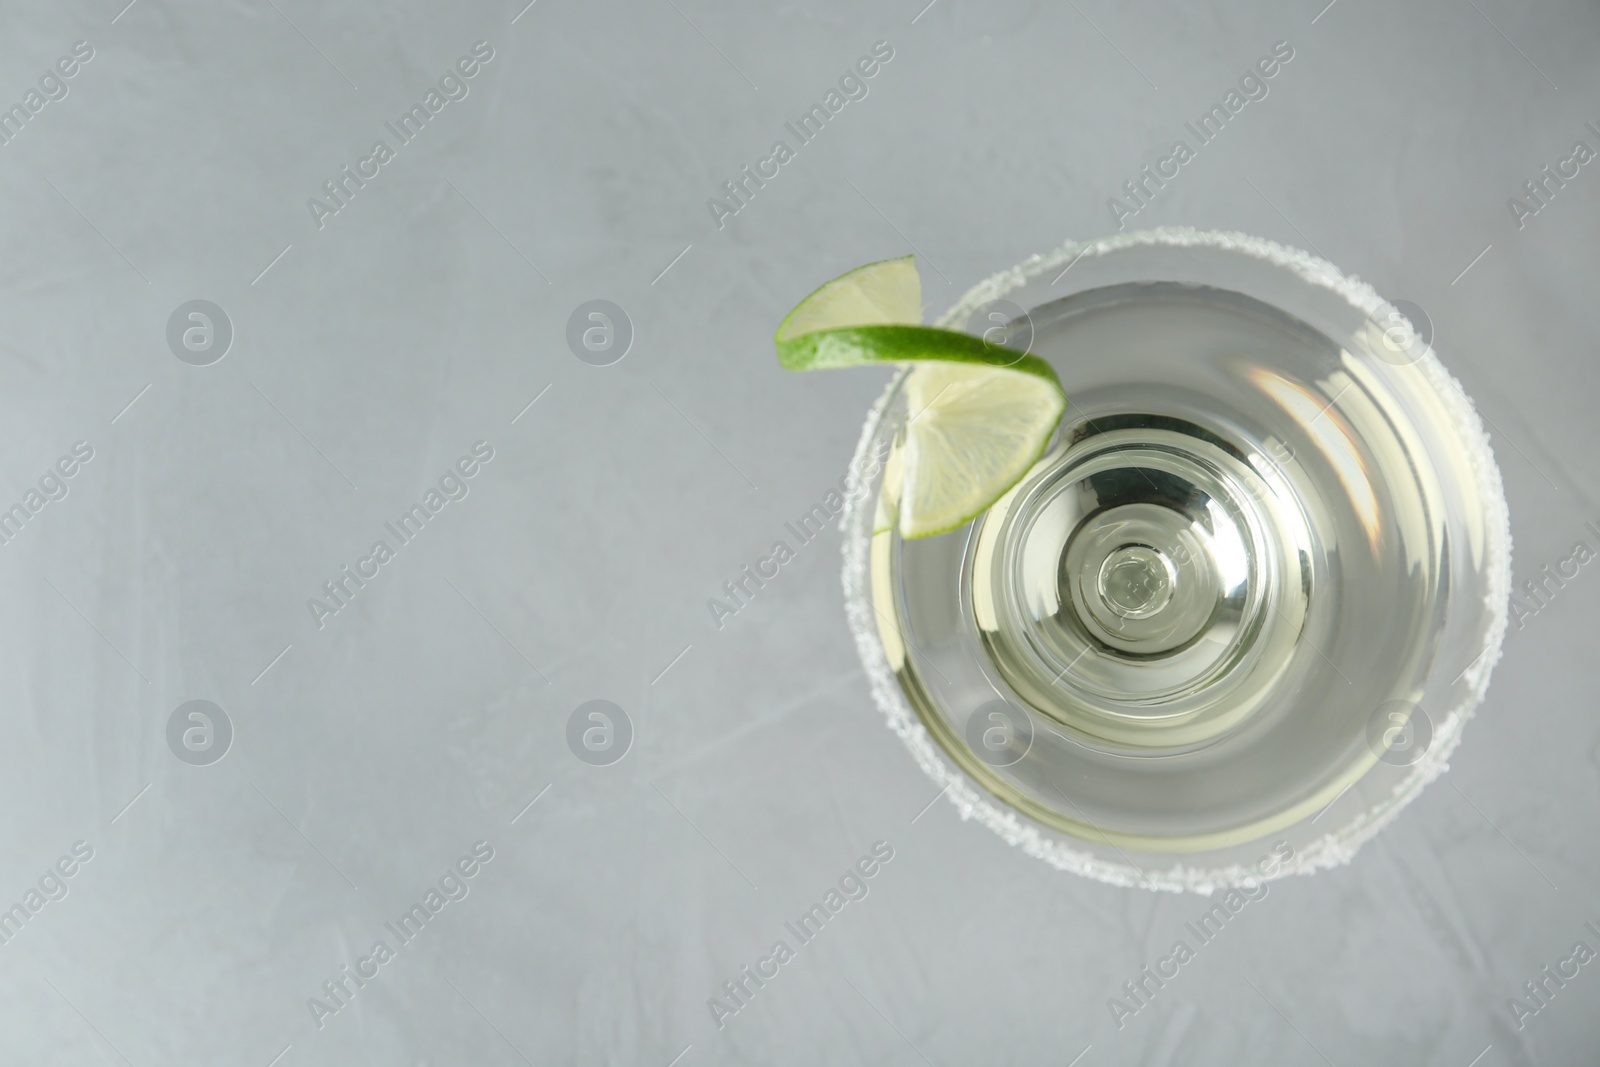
[426, 715]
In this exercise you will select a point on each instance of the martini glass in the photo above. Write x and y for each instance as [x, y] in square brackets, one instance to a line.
[1237, 615]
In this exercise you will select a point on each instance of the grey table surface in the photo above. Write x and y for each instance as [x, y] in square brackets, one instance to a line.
[369, 750]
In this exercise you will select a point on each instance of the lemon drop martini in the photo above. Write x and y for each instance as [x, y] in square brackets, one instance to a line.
[1184, 568]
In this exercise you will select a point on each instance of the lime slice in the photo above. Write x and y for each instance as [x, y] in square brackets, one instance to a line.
[978, 415]
[972, 433]
[883, 292]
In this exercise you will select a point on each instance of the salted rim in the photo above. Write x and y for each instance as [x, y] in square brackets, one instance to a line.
[1334, 848]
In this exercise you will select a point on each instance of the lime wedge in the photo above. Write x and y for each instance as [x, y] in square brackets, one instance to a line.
[978, 415]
